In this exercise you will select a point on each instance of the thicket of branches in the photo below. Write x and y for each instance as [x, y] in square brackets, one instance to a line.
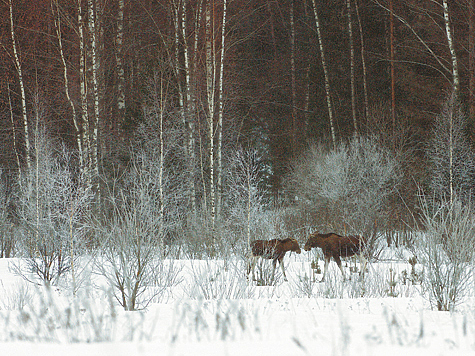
[347, 189]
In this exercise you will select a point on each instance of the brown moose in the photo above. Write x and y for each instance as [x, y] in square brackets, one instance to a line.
[336, 246]
[275, 250]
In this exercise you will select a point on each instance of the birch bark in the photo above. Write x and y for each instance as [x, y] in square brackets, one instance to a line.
[57, 22]
[471, 58]
[210, 91]
[352, 66]
[325, 73]
[83, 90]
[363, 62]
[22, 88]
[119, 63]
[450, 41]
[292, 73]
[221, 110]
[391, 63]
[15, 149]
[94, 62]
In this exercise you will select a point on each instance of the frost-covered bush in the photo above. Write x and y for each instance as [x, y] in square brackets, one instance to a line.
[131, 235]
[347, 188]
[52, 205]
[451, 157]
[7, 241]
[445, 249]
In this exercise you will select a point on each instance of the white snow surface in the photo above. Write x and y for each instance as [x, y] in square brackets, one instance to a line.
[211, 309]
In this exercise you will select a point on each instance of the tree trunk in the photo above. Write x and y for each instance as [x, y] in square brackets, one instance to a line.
[471, 58]
[22, 89]
[160, 174]
[119, 64]
[450, 41]
[363, 63]
[293, 82]
[210, 91]
[352, 66]
[325, 73]
[57, 21]
[15, 149]
[220, 112]
[391, 63]
[83, 90]
[95, 86]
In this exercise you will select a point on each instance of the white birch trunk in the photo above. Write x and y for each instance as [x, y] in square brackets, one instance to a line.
[95, 69]
[83, 90]
[181, 103]
[57, 21]
[220, 111]
[22, 89]
[292, 73]
[119, 63]
[210, 91]
[363, 63]
[450, 41]
[15, 149]
[451, 146]
[190, 128]
[325, 73]
[471, 58]
[307, 97]
[160, 174]
[352, 66]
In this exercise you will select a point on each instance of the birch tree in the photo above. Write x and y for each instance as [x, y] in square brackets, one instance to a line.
[86, 139]
[210, 96]
[119, 42]
[352, 65]
[450, 42]
[325, 73]
[471, 56]
[292, 73]
[363, 62]
[185, 69]
[95, 86]
[452, 160]
[22, 87]
[77, 127]
[391, 63]
[221, 109]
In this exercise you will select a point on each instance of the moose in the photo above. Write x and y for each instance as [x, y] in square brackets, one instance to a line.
[336, 246]
[274, 249]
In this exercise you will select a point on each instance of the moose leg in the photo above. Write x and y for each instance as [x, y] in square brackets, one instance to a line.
[274, 265]
[325, 267]
[281, 262]
[363, 262]
[251, 265]
[338, 262]
[248, 267]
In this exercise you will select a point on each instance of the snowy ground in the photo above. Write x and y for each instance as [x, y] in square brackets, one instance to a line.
[210, 309]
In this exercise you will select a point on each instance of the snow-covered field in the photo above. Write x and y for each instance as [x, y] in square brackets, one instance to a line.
[209, 309]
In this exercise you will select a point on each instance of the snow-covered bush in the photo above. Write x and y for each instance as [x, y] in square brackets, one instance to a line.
[445, 249]
[346, 189]
[52, 205]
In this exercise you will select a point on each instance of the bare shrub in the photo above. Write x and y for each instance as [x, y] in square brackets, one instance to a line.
[218, 280]
[451, 157]
[131, 233]
[347, 188]
[16, 297]
[53, 319]
[7, 241]
[445, 249]
[52, 204]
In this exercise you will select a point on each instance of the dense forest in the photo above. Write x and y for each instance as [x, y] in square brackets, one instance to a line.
[208, 114]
